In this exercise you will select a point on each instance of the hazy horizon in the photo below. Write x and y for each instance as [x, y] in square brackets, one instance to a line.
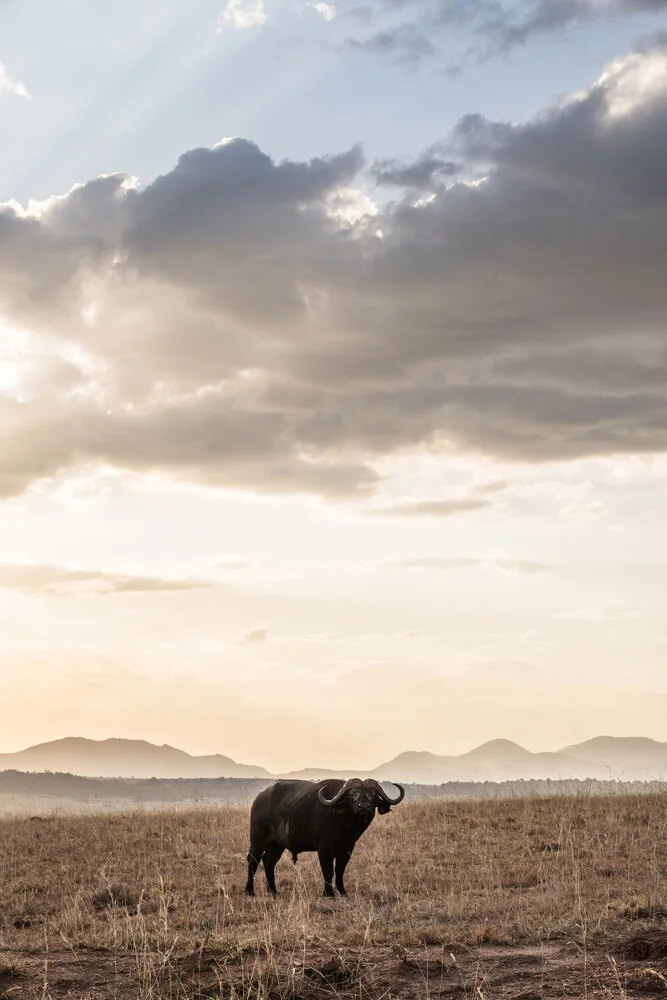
[601, 758]
[333, 375]
[314, 764]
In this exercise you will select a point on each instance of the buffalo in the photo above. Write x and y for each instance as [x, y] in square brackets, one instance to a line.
[325, 816]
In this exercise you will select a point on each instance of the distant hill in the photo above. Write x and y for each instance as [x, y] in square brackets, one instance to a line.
[620, 758]
[605, 757]
[602, 758]
[626, 757]
[497, 760]
[124, 758]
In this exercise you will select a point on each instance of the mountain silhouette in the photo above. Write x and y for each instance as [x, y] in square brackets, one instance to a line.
[124, 758]
[622, 758]
[497, 760]
[604, 757]
[501, 760]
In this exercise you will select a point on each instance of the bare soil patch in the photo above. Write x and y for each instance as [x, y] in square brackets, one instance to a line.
[511, 973]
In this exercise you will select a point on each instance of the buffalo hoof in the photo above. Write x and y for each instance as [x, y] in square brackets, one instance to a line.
[341, 892]
[328, 891]
[249, 890]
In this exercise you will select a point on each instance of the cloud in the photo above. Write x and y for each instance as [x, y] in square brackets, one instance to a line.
[230, 564]
[226, 326]
[431, 508]
[432, 562]
[404, 43]
[544, 16]
[533, 637]
[242, 14]
[603, 613]
[525, 566]
[14, 87]
[199, 409]
[493, 27]
[62, 580]
[521, 566]
[257, 635]
[423, 174]
[492, 486]
[328, 11]
[208, 440]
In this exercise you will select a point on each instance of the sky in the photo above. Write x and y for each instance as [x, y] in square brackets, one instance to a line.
[333, 370]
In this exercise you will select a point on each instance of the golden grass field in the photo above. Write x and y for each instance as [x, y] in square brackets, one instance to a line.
[523, 898]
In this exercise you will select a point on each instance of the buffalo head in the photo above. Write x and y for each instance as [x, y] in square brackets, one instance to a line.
[363, 797]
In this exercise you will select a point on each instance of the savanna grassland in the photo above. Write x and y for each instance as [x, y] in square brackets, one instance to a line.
[526, 897]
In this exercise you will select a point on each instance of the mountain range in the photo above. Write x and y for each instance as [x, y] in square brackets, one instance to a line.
[604, 757]
[622, 758]
[118, 758]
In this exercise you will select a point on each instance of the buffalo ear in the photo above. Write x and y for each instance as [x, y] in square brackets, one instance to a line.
[383, 807]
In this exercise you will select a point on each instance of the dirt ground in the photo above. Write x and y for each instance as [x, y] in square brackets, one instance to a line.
[522, 899]
[518, 972]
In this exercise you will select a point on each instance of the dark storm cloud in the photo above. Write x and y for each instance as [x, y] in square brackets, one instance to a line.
[235, 327]
[492, 27]
[210, 440]
[423, 174]
[543, 16]
[404, 43]
[585, 370]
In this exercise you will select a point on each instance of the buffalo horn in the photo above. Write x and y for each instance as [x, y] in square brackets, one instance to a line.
[339, 794]
[392, 802]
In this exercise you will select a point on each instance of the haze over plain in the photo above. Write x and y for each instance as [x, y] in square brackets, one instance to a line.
[347, 433]
[604, 758]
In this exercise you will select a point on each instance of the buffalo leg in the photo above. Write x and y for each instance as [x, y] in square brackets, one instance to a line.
[327, 866]
[341, 865]
[254, 858]
[271, 858]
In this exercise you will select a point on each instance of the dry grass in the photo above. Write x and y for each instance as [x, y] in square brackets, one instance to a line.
[151, 905]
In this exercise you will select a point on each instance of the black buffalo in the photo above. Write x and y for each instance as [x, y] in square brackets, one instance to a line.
[327, 817]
